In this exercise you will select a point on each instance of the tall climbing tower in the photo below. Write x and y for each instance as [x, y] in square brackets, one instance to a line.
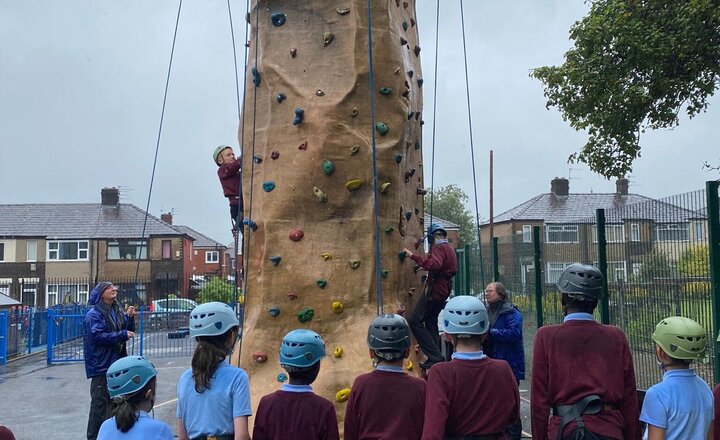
[308, 175]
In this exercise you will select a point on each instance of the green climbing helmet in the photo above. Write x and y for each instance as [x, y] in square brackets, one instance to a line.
[219, 150]
[681, 338]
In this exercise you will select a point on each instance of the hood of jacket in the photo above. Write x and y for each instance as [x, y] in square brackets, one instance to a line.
[96, 293]
[498, 309]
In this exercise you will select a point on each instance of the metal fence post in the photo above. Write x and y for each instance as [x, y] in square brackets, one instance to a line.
[713, 212]
[31, 318]
[602, 262]
[466, 262]
[50, 337]
[142, 328]
[496, 263]
[538, 276]
[3, 337]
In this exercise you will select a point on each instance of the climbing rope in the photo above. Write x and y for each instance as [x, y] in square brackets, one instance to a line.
[432, 160]
[157, 143]
[378, 272]
[472, 147]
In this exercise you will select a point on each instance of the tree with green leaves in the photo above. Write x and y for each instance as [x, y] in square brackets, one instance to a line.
[695, 261]
[448, 203]
[216, 290]
[654, 265]
[635, 65]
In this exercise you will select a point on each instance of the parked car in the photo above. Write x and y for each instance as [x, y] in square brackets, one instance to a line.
[170, 313]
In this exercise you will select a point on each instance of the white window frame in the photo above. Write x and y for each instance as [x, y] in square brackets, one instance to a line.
[562, 229]
[614, 233]
[2, 251]
[5, 285]
[634, 232]
[53, 250]
[613, 269]
[637, 268]
[212, 257]
[29, 287]
[527, 234]
[554, 270]
[699, 231]
[51, 291]
[669, 228]
[140, 252]
[31, 245]
[79, 293]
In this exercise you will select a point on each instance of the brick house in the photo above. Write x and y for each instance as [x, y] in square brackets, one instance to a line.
[209, 257]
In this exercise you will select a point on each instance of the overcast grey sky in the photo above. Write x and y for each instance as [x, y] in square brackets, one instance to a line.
[81, 87]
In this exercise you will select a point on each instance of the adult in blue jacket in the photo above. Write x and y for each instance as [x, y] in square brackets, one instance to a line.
[505, 340]
[107, 328]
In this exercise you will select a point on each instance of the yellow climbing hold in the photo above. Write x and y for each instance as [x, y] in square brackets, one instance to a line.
[384, 187]
[342, 395]
[326, 256]
[409, 366]
[241, 300]
[352, 185]
[338, 352]
[338, 307]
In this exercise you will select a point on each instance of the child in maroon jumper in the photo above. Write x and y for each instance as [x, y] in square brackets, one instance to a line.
[472, 396]
[230, 178]
[582, 367]
[386, 403]
[295, 412]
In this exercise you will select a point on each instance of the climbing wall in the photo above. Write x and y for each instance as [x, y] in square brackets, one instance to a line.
[309, 183]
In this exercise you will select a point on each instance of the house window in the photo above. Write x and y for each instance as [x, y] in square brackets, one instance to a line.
[613, 234]
[672, 232]
[28, 291]
[5, 284]
[127, 250]
[616, 270]
[66, 294]
[637, 268]
[561, 233]
[554, 270]
[2, 251]
[166, 249]
[67, 250]
[51, 296]
[634, 232]
[699, 231]
[527, 234]
[32, 251]
[212, 256]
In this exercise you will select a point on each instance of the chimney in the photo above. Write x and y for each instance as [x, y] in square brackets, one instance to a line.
[110, 197]
[622, 186]
[167, 218]
[560, 186]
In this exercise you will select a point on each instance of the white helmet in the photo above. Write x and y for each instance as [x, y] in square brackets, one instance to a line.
[212, 319]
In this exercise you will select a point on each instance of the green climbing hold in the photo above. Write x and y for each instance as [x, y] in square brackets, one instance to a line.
[354, 264]
[328, 167]
[385, 91]
[305, 315]
[384, 273]
[417, 144]
[268, 186]
[281, 377]
[389, 230]
[408, 214]
[382, 128]
[398, 158]
[405, 25]
[402, 255]
[354, 112]
[321, 283]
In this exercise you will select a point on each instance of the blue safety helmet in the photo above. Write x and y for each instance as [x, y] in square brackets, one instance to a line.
[301, 349]
[129, 375]
[435, 228]
[465, 315]
[212, 319]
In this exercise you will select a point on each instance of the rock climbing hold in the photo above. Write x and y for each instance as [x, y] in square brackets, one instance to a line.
[417, 115]
[403, 41]
[422, 123]
[296, 235]
[319, 92]
[281, 377]
[389, 230]
[382, 128]
[412, 22]
[384, 273]
[278, 18]
[275, 259]
[292, 295]
[416, 268]
[337, 307]
[274, 312]
[321, 283]
[410, 73]
[421, 191]
[410, 115]
[251, 224]
[293, 52]
[404, 25]
[305, 315]
[328, 38]
[343, 11]
[417, 50]
[299, 113]
[257, 159]
[400, 311]
[406, 94]
[408, 215]
[407, 176]
[353, 185]
[320, 194]
[260, 357]
[405, 5]
[402, 255]
[354, 112]
[342, 395]
[409, 365]
[407, 85]
[385, 91]
[241, 300]
[420, 82]
[397, 71]
[417, 144]
[384, 187]
[256, 76]
[326, 256]
[417, 211]
[338, 352]
[397, 3]
[354, 264]
[411, 291]
[274, 155]
[328, 167]
[398, 158]
[303, 146]
[354, 150]
[268, 186]
[280, 97]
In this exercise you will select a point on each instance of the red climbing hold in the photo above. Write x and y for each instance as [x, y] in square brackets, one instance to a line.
[303, 146]
[421, 191]
[403, 41]
[296, 235]
[260, 357]
[417, 50]
[292, 295]
[274, 155]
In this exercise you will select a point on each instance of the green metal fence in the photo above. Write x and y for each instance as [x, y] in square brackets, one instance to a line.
[661, 258]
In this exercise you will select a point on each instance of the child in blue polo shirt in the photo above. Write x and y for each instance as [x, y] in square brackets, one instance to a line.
[681, 406]
[294, 411]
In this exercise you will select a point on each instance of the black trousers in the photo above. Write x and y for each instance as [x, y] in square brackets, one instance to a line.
[423, 323]
[99, 405]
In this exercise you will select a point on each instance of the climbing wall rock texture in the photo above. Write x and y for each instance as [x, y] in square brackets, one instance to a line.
[308, 113]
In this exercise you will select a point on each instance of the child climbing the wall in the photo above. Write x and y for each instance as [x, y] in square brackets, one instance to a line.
[294, 411]
[386, 403]
[229, 173]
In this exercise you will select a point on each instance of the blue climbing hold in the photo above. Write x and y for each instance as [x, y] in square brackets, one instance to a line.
[268, 186]
[408, 214]
[257, 159]
[420, 82]
[404, 25]
[281, 377]
[398, 158]
[410, 73]
[385, 91]
[275, 259]
[382, 128]
[274, 312]
[280, 97]
[410, 115]
[299, 113]
[251, 224]
[278, 18]
[256, 76]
